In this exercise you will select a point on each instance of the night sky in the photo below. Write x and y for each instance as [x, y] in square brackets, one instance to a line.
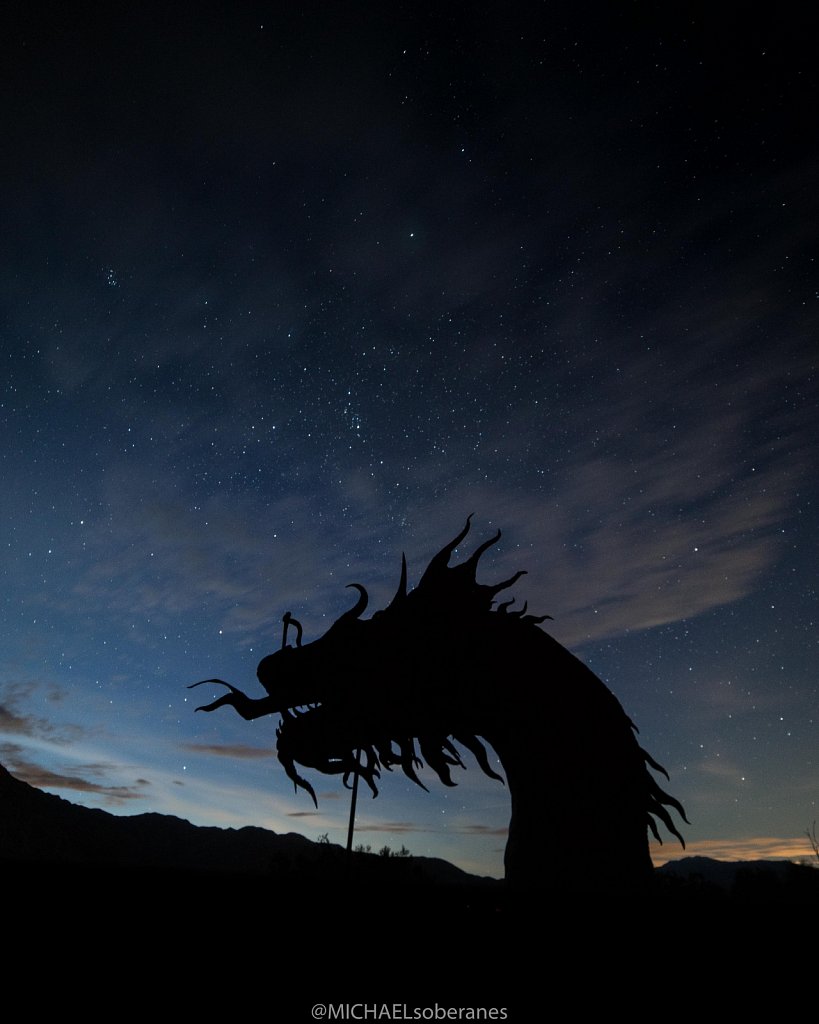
[288, 292]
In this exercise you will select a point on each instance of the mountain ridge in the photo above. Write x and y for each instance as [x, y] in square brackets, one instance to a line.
[39, 828]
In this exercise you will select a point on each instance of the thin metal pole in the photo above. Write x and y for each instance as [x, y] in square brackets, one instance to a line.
[351, 826]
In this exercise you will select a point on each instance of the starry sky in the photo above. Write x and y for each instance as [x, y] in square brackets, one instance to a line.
[288, 292]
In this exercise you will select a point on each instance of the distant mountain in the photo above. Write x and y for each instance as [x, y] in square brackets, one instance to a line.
[722, 873]
[43, 832]
[781, 881]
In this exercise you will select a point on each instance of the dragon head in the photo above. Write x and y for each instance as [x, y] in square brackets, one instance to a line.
[372, 693]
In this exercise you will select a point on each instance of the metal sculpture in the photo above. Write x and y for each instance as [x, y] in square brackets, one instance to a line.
[442, 668]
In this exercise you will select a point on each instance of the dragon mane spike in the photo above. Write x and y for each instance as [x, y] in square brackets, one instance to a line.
[474, 745]
[498, 587]
[660, 812]
[409, 761]
[654, 764]
[666, 800]
[357, 610]
[368, 773]
[296, 779]
[401, 593]
[433, 753]
[537, 619]
[440, 561]
[472, 562]
[453, 750]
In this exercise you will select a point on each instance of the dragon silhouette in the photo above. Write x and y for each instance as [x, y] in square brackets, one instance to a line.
[444, 667]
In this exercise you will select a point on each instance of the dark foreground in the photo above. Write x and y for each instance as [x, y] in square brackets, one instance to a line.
[146, 914]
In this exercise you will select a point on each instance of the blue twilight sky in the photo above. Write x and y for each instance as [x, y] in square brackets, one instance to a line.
[285, 294]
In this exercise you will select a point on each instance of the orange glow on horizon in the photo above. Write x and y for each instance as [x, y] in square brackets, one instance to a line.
[755, 848]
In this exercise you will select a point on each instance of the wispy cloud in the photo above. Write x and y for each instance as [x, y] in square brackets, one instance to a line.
[44, 778]
[482, 830]
[16, 718]
[228, 750]
[25, 725]
[398, 827]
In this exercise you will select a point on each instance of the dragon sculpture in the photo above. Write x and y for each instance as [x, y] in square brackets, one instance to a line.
[443, 668]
